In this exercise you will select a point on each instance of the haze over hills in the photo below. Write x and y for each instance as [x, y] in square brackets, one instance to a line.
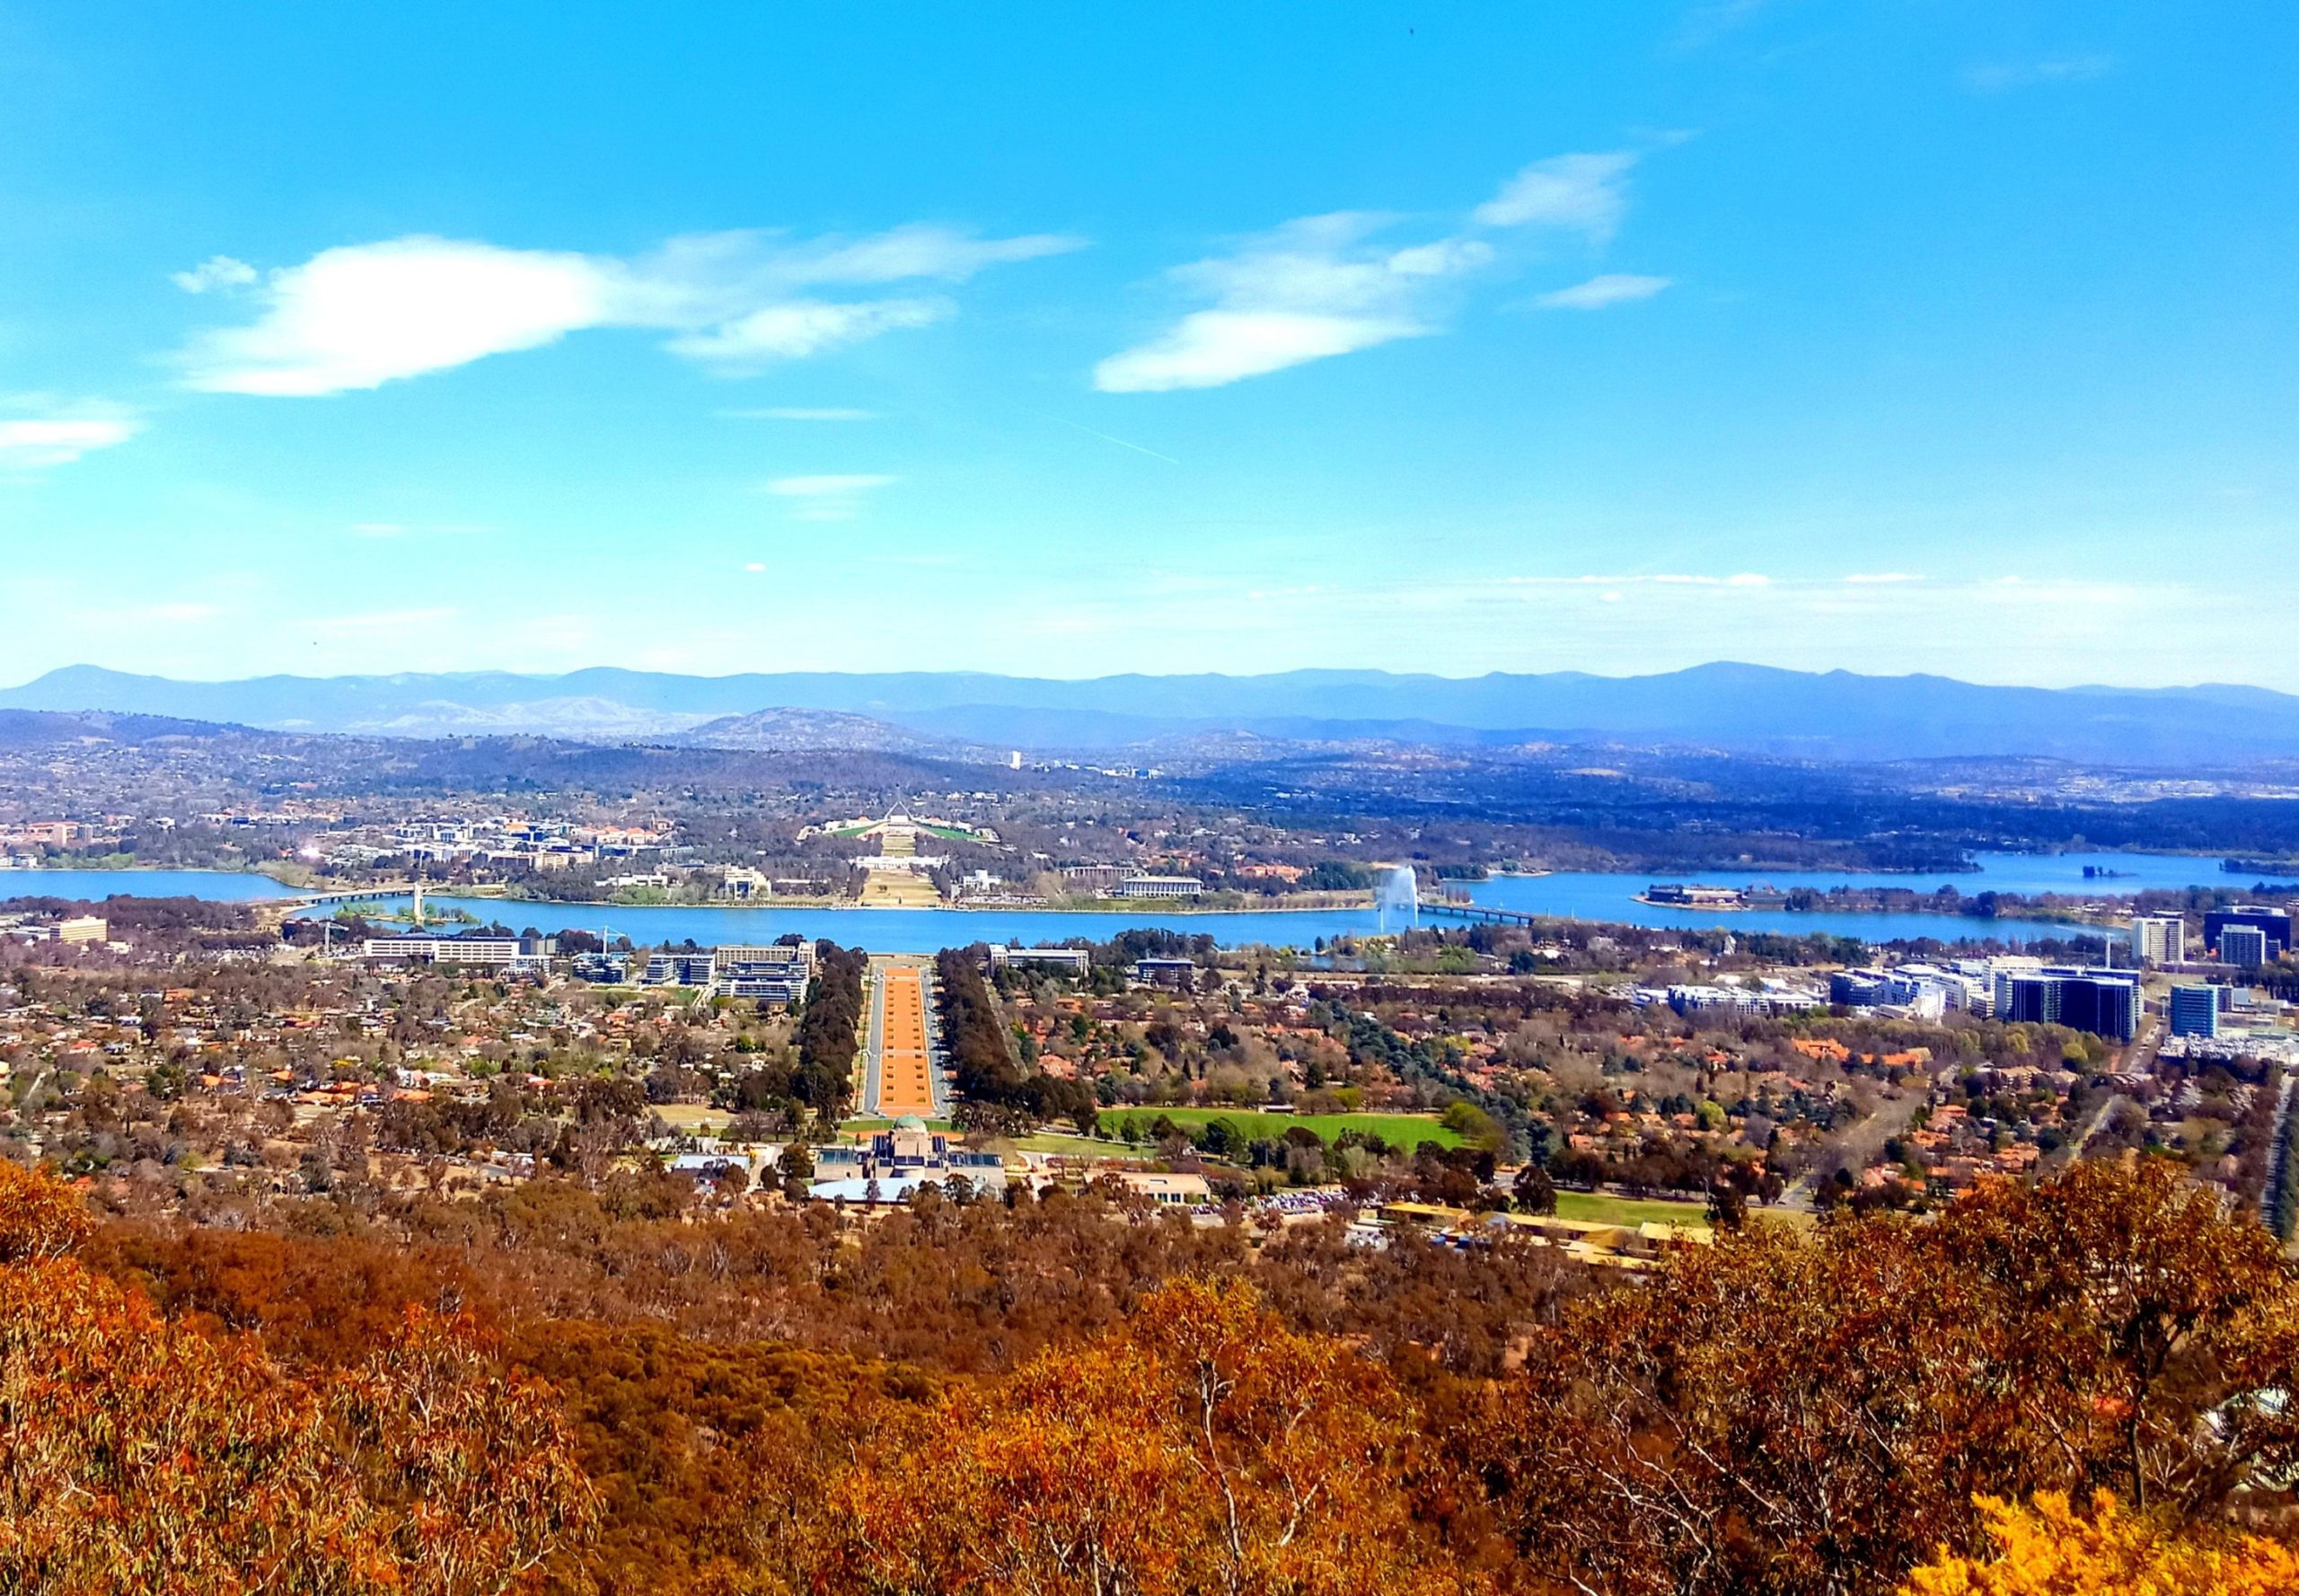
[1742, 708]
[828, 730]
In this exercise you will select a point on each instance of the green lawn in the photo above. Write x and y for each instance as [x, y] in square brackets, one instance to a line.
[1598, 1208]
[1407, 1131]
[1080, 1147]
[1601, 1208]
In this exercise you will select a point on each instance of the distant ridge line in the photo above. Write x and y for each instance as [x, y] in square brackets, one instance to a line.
[1829, 716]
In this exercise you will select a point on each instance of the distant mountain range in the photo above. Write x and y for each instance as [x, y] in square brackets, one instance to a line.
[1746, 709]
[823, 730]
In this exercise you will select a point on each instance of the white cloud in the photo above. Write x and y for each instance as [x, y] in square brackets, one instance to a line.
[361, 315]
[917, 251]
[1581, 193]
[1316, 287]
[1598, 292]
[1994, 77]
[218, 271]
[1875, 579]
[1323, 285]
[806, 326]
[829, 496]
[30, 443]
[1209, 349]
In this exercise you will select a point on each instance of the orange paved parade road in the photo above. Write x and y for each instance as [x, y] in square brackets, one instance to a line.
[905, 1084]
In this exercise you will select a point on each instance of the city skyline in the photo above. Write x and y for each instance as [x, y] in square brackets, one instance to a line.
[1900, 340]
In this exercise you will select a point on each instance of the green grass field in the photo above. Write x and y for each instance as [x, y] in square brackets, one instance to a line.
[1598, 1208]
[1398, 1130]
[1080, 1147]
[1603, 1209]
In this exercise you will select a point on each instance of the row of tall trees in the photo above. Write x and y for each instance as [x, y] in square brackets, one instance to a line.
[830, 1031]
[983, 1064]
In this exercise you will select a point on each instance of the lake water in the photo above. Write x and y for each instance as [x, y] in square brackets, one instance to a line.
[1589, 895]
[226, 887]
[1574, 894]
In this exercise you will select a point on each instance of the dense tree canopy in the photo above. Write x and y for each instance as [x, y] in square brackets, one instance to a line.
[141, 1454]
[604, 1389]
[1815, 1414]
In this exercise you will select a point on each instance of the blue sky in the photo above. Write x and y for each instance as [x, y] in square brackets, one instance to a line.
[1913, 335]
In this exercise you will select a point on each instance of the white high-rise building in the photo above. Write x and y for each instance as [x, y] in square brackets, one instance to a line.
[2159, 939]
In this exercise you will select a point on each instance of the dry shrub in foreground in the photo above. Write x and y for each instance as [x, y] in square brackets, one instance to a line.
[138, 1453]
[2047, 1549]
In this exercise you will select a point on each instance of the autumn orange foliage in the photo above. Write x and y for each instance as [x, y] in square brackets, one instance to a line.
[2048, 1550]
[1811, 1414]
[1201, 1447]
[141, 1454]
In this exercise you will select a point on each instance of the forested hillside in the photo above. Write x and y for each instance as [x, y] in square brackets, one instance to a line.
[558, 1390]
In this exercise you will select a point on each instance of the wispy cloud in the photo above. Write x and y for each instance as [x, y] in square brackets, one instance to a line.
[1319, 287]
[1994, 77]
[361, 315]
[30, 443]
[1581, 193]
[218, 271]
[1598, 292]
[805, 327]
[1313, 288]
[800, 413]
[828, 496]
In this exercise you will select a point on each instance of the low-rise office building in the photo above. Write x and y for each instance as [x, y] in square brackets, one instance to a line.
[1158, 887]
[503, 953]
[774, 973]
[1075, 959]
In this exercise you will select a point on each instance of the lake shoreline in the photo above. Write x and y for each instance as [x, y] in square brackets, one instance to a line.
[737, 906]
[1565, 896]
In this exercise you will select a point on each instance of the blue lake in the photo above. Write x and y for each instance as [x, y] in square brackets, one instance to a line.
[1574, 894]
[1590, 895]
[227, 886]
